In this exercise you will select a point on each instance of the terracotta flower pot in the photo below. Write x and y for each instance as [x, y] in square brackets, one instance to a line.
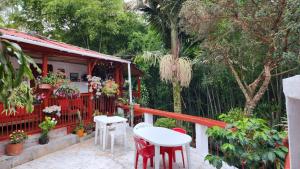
[45, 86]
[80, 133]
[14, 149]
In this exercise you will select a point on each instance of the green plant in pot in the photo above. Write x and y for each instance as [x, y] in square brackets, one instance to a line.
[15, 147]
[51, 80]
[47, 125]
[80, 127]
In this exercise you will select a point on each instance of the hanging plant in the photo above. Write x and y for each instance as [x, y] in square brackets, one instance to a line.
[110, 88]
[95, 84]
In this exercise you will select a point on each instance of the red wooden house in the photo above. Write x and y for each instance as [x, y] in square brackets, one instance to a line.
[76, 62]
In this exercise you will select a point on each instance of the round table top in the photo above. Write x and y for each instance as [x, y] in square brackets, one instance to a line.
[163, 137]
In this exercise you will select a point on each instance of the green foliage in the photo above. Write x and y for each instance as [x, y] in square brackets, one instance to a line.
[110, 88]
[11, 78]
[165, 122]
[52, 79]
[122, 100]
[21, 97]
[79, 126]
[47, 125]
[232, 116]
[18, 136]
[103, 26]
[247, 140]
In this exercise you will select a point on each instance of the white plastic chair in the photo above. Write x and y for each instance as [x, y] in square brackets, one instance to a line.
[118, 129]
[141, 125]
[99, 128]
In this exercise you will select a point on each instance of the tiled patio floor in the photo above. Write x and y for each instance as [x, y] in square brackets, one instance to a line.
[87, 155]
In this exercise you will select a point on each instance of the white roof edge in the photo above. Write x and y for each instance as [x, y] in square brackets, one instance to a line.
[99, 56]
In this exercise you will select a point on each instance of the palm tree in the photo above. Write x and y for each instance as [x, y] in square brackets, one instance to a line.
[164, 16]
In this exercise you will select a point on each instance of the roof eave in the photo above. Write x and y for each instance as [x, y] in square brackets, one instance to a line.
[97, 56]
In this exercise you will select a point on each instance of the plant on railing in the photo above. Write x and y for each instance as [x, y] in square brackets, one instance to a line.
[20, 97]
[52, 79]
[67, 91]
[165, 122]
[52, 110]
[47, 125]
[95, 85]
[110, 88]
[247, 142]
[17, 138]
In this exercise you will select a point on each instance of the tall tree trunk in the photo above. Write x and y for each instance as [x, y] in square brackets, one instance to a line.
[175, 54]
[176, 97]
[252, 102]
[253, 92]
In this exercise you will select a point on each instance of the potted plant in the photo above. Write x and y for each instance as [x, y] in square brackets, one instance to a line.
[80, 127]
[50, 81]
[52, 110]
[80, 130]
[15, 147]
[67, 91]
[48, 124]
[110, 88]
[89, 128]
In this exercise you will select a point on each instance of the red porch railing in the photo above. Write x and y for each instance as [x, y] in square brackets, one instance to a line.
[21, 120]
[29, 121]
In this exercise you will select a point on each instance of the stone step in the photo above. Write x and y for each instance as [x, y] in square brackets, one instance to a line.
[36, 151]
[33, 139]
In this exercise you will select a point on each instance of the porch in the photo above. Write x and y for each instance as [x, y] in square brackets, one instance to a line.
[76, 63]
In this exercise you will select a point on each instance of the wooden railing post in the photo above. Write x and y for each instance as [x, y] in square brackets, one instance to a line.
[148, 118]
[201, 140]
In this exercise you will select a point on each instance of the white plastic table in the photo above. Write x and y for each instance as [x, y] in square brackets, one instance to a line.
[109, 120]
[159, 136]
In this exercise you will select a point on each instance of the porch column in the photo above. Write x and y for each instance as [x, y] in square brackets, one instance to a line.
[90, 100]
[130, 95]
[117, 76]
[45, 66]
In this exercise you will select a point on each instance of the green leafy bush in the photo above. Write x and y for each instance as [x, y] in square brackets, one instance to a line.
[246, 141]
[165, 122]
